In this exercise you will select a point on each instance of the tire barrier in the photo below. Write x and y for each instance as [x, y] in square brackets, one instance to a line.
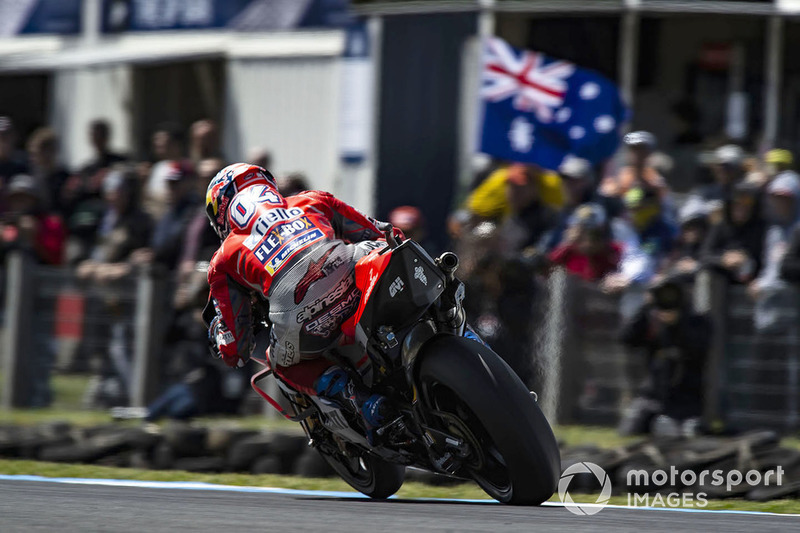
[188, 447]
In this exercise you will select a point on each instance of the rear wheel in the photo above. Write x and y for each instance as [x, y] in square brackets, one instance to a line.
[367, 473]
[477, 396]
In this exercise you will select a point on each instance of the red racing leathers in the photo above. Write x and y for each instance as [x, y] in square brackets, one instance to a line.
[300, 252]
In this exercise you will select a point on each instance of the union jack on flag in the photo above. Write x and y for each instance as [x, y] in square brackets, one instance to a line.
[533, 85]
[539, 110]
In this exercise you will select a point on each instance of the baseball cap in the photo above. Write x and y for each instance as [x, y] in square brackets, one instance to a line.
[406, 217]
[575, 167]
[729, 154]
[779, 156]
[694, 209]
[785, 184]
[589, 216]
[640, 138]
[6, 124]
[23, 184]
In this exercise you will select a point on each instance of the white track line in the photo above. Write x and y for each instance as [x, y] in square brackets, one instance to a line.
[192, 485]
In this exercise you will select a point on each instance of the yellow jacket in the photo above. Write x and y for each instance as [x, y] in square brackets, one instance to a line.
[488, 200]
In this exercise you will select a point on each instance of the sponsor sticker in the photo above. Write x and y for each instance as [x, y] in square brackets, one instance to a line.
[264, 224]
[328, 323]
[316, 307]
[419, 273]
[290, 248]
[316, 271]
[396, 287]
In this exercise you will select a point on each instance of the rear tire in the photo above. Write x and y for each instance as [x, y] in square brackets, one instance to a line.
[367, 474]
[519, 461]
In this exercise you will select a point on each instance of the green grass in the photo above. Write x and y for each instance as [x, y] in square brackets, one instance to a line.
[409, 489]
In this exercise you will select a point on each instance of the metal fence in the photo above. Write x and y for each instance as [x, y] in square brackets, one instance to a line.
[55, 321]
[752, 374]
[583, 373]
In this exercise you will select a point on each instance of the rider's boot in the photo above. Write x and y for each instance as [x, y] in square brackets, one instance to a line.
[335, 384]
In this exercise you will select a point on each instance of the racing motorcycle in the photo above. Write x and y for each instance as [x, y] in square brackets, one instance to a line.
[461, 410]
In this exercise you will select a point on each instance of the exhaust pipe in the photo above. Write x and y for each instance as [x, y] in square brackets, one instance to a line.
[448, 262]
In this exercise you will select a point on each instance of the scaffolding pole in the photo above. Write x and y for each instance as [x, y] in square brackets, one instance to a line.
[628, 55]
[773, 75]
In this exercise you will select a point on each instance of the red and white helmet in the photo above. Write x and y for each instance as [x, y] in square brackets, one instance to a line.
[225, 185]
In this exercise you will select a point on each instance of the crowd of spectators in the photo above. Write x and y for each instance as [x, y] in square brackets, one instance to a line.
[618, 227]
[621, 228]
[107, 221]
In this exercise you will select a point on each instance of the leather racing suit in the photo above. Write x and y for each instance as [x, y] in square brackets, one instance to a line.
[300, 252]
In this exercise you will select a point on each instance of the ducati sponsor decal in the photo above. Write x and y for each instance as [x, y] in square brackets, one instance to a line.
[419, 273]
[396, 287]
[315, 272]
[325, 325]
[320, 304]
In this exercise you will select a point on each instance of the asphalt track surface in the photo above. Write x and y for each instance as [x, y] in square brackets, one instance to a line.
[67, 507]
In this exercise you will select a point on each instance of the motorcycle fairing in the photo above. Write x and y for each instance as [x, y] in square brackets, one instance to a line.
[397, 288]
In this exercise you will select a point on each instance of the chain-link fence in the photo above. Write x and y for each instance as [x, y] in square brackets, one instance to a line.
[752, 372]
[113, 331]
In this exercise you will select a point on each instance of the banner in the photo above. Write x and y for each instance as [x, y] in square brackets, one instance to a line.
[241, 15]
[19, 17]
[540, 110]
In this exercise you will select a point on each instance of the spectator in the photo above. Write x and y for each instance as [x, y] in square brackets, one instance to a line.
[576, 177]
[655, 231]
[587, 250]
[260, 157]
[168, 141]
[412, 222]
[768, 288]
[104, 157]
[735, 245]
[686, 257]
[170, 231]
[50, 176]
[775, 162]
[529, 219]
[27, 225]
[204, 141]
[490, 200]
[200, 241]
[639, 172]
[676, 343]
[82, 194]
[124, 228]
[294, 183]
[727, 169]
[12, 162]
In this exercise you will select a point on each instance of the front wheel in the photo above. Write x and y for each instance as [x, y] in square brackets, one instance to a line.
[476, 395]
[367, 473]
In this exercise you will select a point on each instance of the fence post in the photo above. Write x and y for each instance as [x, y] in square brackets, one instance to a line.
[711, 295]
[148, 332]
[17, 345]
[552, 342]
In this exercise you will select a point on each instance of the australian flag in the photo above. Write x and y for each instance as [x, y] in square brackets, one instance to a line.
[540, 110]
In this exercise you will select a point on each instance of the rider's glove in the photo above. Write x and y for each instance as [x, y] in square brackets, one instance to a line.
[220, 336]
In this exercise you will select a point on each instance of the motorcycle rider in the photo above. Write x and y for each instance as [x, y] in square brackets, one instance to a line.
[299, 253]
